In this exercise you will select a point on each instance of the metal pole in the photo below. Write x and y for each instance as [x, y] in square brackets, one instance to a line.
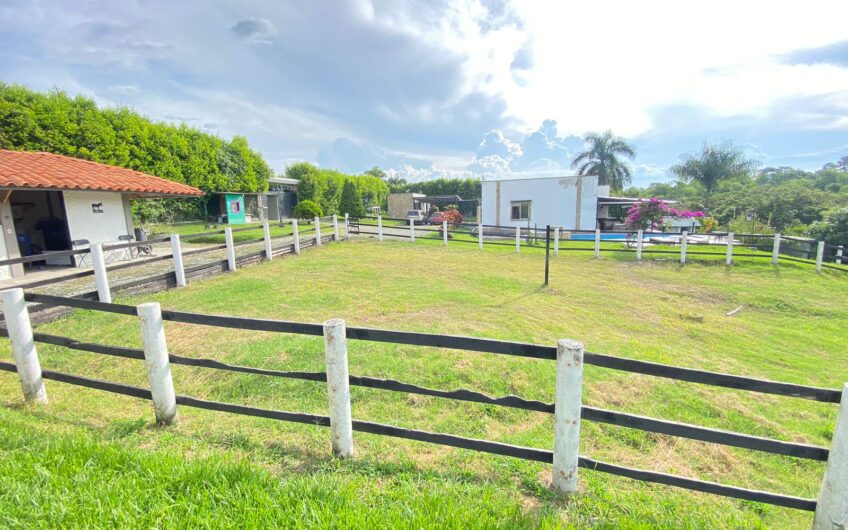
[569, 384]
[23, 345]
[338, 387]
[98, 261]
[177, 256]
[156, 360]
[547, 252]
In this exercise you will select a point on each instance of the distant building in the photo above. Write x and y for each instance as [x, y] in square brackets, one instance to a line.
[281, 198]
[569, 201]
[400, 203]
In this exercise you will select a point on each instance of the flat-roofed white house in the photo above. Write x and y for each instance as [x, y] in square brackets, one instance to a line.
[568, 201]
[48, 202]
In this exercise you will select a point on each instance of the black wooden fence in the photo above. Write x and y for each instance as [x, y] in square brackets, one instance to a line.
[534, 351]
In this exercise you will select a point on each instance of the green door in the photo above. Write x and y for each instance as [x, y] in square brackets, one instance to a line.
[235, 208]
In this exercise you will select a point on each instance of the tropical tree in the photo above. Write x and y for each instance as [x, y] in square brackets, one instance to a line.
[603, 158]
[712, 165]
[376, 172]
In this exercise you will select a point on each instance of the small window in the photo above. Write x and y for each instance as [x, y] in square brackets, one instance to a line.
[235, 206]
[520, 211]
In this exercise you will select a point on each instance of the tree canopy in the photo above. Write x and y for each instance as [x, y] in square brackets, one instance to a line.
[713, 164]
[602, 158]
[325, 187]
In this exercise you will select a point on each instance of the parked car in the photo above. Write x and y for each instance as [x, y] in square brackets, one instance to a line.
[415, 215]
[437, 218]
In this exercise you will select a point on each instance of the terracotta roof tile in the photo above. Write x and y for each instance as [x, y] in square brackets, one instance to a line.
[24, 169]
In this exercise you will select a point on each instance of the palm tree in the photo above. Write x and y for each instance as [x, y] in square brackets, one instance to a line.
[602, 158]
[715, 163]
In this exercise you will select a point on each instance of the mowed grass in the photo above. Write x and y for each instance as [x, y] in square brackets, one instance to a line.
[94, 459]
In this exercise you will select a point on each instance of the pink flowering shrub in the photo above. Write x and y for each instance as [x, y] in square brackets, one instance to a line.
[649, 214]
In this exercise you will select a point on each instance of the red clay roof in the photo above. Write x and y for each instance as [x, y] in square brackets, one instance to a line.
[24, 169]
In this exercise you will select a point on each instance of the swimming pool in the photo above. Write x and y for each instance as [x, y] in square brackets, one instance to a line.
[613, 236]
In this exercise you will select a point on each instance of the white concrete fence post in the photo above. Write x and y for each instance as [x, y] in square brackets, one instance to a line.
[379, 228]
[832, 506]
[338, 387]
[296, 236]
[640, 241]
[775, 250]
[266, 234]
[684, 241]
[445, 231]
[839, 250]
[597, 242]
[231, 249]
[819, 256]
[556, 241]
[480, 235]
[569, 386]
[335, 227]
[412, 230]
[347, 226]
[177, 256]
[101, 279]
[517, 239]
[23, 346]
[317, 223]
[728, 259]
[157, 363]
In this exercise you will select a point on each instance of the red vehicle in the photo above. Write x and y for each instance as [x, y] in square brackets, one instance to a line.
[437, 218]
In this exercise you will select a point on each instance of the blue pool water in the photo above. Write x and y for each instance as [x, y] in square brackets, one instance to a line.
[613, 236]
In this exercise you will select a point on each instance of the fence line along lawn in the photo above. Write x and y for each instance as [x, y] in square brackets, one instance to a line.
[791, 328]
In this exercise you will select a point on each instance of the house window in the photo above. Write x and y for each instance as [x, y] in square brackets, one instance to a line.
[235, 206]
[519, 211]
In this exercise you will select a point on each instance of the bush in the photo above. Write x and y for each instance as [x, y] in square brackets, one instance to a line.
[351, 201]
[307, 210]
[834, 228]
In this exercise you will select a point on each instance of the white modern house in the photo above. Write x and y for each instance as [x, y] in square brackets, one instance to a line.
[567, 201]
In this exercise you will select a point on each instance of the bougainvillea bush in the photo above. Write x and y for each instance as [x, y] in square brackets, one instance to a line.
[649, 214]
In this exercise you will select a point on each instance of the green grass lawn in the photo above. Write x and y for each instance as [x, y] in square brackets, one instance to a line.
[93, 459]
[255, 231]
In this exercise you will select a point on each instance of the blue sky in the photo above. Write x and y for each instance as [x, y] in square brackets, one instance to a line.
[455, 88]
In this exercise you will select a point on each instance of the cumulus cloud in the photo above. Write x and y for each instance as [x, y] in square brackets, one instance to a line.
[255, 29]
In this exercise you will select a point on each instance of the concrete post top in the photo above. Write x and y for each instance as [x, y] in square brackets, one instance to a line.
[334, 323]
[148, 308]
[569, 344]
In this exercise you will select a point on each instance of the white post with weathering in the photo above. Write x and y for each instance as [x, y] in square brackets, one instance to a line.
[775, 250]
[379, 228]
[177, 257]
[832, 505]
[517, 239]
[445, 232]
[266, 235]
[101, 279]
[157, 363]
[556, 241]
[317, 223]
[335, 227]
[347, 226]
[684, 240]
[597, 242]
[728, 259]
[480, 235]
[839, 251]
[569, 386]
[231, 249]
[23, 345]
[412, 230]
[296, 236]
[819, 256]
[640, 241]
[338, 387]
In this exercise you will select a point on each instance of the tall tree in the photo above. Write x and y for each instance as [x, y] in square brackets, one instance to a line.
[376, 172]
[603, 158]
[713, 164]
[351, 200]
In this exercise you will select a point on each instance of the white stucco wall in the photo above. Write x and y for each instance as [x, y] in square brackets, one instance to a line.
[554, 201]
[97, 227]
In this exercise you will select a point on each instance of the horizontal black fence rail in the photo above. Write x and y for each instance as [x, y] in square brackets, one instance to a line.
[527, 350]
[715, 244]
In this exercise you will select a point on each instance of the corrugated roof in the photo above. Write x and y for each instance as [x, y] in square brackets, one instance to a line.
[35, 170]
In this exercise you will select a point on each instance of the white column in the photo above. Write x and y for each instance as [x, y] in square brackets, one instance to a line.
[684, 240]
[556, 241]
[296, 236]
[317, 223]
[157, 363]
[335, 227]
[569, 384]
[832, 506]
[597, 242]
[412, 230]
[231, 248]
[379, 228]
[347, 226]
[839, 250]
[23, 345]
[480, 236]
[445, 231]
[775, 251]
[728, 260]
[98, 261]
[177, 256]
[640, 240]
[517, 239]
[266, 233]
[819, 256]
[338, 387]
